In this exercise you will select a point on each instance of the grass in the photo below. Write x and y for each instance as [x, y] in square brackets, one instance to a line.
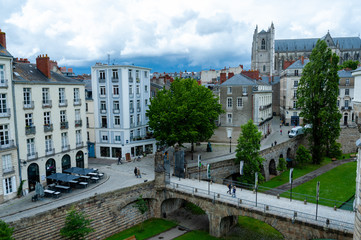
[337, 184]
[298, 172]
[152, 227]
[199, 235]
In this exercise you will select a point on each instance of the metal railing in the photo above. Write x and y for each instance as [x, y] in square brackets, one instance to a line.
[8, 170]
[48, 127]
[64, 125]
[65, 147]
[7, 144]
[5, 113]
[49, 152]
[30, 130]
[47, 104]
[78, 123]
[63, 103]
[32, 156]
[115, 79]
[77, 102]
[4, 83]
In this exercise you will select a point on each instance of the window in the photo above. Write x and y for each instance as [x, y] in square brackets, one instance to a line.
[239, 102]
[9, 184]
[295, 83]
[244, 90]
[294, 104]
[86, 107]
[102, 74]
[3, 104]
[295, 114]
[88, 136]
[347, 82]
[229, 118]
[78, 137]
[131, 106]
[263, 44]
[48, 143]
[104, 151]
[103, 105]
[62, 95]
[104, 122]
[102, 91]
[137, 73]
[138, 105]
[131, 134]
[76, 95]
[146, 102]
[47, 118]
[7, 163]
[2, 73]
[145, 74]
[130, 89]
[27, 96]
[4, 135]
[87, 122]
[116, 105]
[138, 132]
[63, 116]
[229, 90]
[105, 137]
[116, 90]
[138, 119]
[77, 114]
[64, 140]
[138, 90]
[338, 103]
[28, 119]
[30, 145]
[46, 96]
[347, 92]
[264, 68]
[117, 138]
[117, 120]
[115, 73]
[131, 119]
[346, 103]
[294, 93]
[145, 88]
[130, 73]
[229, 102]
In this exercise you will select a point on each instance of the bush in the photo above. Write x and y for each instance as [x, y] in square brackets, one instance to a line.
[302, 155]
[6, 232]
[282, 165]
[77, 225]
[335, 150]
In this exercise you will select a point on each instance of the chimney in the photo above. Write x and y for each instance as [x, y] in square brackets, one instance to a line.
[302, 59]
[230, 74]
[70, 70]
[222, 78]
[43, 64]
[2, 39]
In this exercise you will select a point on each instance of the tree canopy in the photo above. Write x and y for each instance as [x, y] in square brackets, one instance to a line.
[77, 225]
[185, 113]
[349, 64]
[248, 151]
[317, 97]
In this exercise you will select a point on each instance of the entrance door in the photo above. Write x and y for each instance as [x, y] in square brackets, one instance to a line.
[79, 159]
[345, 120]
[50, 168]
[33, 176]
[91, 150]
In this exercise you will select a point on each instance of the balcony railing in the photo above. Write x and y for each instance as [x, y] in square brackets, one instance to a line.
[8, 170]
[131, 95]
[48, 127]
[78, 123]
[49, 152]
[7, 144]
[103, 111]
[63, 103]
[115, 79]
[346, 108]
[4, 83]
[64, 125]
[101, 80]
[265, 107]
[30, 130]
[138, 109]
[79, 144]
[132, 125]
[138, 95]
[5, 113]
[138, 80]
[77, 102]
[65, 147]
[32, 156]
[131, 110]
[116, 111]
[130, 79]
[28, 105]
[47, 104]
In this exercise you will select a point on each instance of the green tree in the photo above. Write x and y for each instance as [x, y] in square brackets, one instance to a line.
[349, 64]
[142, 207]
[282, 165]
[317, 97]
[185, 113]
[248, 151]
[302, 155]
[6, 232]
[77, 225]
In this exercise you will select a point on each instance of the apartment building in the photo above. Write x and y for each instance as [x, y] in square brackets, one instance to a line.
[50, 115]
[346, 96]
[9, 170]
[121, 96]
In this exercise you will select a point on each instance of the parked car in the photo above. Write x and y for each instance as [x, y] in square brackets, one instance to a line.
[295, 131]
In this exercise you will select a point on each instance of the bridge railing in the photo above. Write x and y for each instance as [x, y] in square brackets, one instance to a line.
[305, 217]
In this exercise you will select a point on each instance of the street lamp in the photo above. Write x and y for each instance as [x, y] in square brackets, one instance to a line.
[229, 135]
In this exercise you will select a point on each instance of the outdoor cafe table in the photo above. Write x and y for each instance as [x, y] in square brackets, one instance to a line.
[63, 188]
[85, 177]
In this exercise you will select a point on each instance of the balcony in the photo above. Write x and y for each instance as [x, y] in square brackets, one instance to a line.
[48, 127]
[115, 79]
[346, 108]
[116, 111]
[132, 125]
[63, 103]
[30, 130]
[138, 95]
[49, 152]
[138, 109]
[130, 79]
[47, 104]
[131, 110]
[79, 144]
[8, 170]
[103, 111]
[65, 148]
[64, 125]
[265, 107]
[138, 80]
[77, 102]
[5, 113]
[101, 80]
[28, 105]
[78, 123]
[32, 156]
[7, 144]
[131, 95]
[4, 83]
[139, 123]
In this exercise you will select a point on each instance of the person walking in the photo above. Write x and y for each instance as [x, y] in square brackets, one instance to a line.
[281, 131]
[119, 160]
[138, 173]
[229, 188]
[234, 191]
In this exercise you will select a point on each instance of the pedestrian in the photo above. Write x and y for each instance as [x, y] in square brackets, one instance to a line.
[281, 125]
[229, 188]
[234, 191]
[119, 160]
[275, 143]
[281, 131]
[271, 144]
[138, 173]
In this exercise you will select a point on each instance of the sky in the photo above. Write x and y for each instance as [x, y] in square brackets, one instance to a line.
[167, 36]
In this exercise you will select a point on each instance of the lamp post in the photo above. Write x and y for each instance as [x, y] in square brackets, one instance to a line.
[229, 135]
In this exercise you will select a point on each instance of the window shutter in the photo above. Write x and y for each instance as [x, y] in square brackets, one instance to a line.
[13, 182]
[4, 187]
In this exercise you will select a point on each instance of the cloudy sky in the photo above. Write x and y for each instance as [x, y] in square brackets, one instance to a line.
[164, 35]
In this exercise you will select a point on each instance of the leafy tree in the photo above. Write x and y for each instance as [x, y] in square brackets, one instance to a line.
[349, 64]
[335, 150]
[184, 113]
[317, 97]
[77, 225]
[303, 155]
[142, 207]
[282, 165]
[248, 151]
[6, 232]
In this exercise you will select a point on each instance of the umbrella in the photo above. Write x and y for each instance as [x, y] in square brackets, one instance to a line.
[39, 190]
[62, 177]
[80, 171]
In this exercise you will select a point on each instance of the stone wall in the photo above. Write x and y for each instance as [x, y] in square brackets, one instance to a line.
[348, 138]
[111, 213]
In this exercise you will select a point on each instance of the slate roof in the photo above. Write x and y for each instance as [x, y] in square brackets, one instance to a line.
[276, 79]
[298, 64]
[344, 74]
[27, 72]
[239, 79]
[308, 44]
[4, 52]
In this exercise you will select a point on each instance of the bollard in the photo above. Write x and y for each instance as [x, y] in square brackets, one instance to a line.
[335, 208]
[294, 214]
[305, 201]
[267, 207]
[218, 196]
[327, 221]
[278, 196]
[240, 201]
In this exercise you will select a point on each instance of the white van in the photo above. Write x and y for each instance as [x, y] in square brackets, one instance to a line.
[295, 131]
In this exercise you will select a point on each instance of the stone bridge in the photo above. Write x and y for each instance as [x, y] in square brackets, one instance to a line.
[222, 167]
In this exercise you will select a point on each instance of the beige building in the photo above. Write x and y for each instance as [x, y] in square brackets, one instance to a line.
[345, 97]
[212, 76]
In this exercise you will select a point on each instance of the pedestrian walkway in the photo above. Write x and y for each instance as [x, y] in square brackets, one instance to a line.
[170, 234]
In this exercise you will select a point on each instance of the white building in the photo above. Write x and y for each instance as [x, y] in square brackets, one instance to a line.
[50, 116]
[121, 97]
[345, 97]
[9, 170]
[211, 76]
